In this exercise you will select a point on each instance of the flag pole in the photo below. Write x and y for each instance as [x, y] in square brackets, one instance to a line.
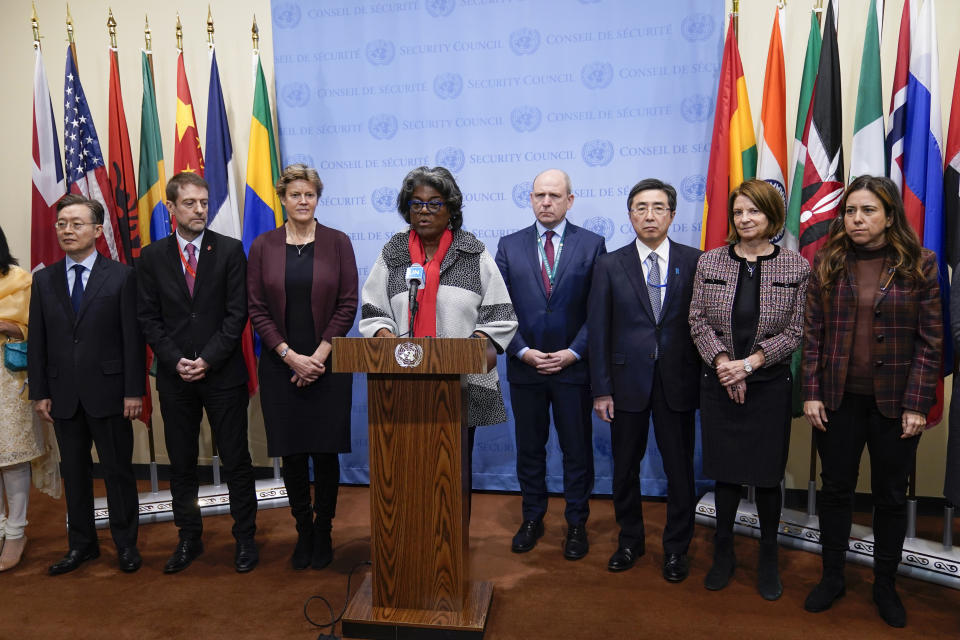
[35, 23]
[736, 20]
[72, 45]
[209, 28]
[112, 28]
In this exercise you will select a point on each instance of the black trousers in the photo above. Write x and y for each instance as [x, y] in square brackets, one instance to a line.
[572, 409]
[675, 434]
[326, 487]
[182, 409]
[113, 437]
[858, 422]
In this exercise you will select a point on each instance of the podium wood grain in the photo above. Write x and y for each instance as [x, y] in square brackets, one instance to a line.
[418, 492]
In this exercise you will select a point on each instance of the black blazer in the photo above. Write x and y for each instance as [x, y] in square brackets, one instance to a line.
[557, 322]
[93, 358]
[208, 324]
[624, 335]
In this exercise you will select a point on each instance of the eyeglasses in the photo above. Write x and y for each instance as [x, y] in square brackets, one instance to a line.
[63, 225]
[657, 209]
[433, 206]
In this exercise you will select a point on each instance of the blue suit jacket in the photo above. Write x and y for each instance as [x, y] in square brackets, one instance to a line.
[554, 323]
[624, 336]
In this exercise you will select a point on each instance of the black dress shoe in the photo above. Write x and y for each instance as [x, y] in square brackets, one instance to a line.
[129, 559]
[73, 559]
[576, 546]
[623, 558]
[528, 534]
[246, 557]
[186, 552]
[675, 567]
[888, 603]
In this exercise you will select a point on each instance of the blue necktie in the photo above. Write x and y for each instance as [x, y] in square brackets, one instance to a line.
[76, 294]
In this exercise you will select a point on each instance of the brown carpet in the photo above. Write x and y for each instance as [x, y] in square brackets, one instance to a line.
[537, 595]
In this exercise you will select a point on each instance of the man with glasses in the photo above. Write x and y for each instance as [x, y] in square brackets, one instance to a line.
[643, 362]
[87, 376]
[192, 308]
[547, 268]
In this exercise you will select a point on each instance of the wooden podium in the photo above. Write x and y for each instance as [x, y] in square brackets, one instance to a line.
[420, 584]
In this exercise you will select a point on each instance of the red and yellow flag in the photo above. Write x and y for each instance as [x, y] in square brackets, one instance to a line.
[187, 155]
[733, 149]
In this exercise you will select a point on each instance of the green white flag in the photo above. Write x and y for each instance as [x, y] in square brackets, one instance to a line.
[868, 132]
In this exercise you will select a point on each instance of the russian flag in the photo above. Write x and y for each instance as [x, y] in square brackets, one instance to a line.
[923, 163]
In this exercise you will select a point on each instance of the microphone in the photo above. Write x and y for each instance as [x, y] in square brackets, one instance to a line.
[414, 277]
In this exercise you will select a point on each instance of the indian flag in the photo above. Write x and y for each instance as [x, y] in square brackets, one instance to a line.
[733, 150]
[772, 138]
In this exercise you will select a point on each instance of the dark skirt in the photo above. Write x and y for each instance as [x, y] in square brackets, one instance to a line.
[746, 443]
[311, 419]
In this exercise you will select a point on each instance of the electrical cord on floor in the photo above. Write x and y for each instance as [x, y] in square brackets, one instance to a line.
[333, 620]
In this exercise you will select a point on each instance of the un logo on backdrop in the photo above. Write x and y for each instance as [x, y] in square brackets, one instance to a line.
[384, 199]
[525, 118]
[697, 26]
[601, 226]
[450, 157]
[524, 41]
[597, 153]
[440, 8]
[296, 94]
[380, 52]
[596, 75]
[521, 194]
[382, 126]
[448, 85]
[286, 15]
[694, 187]
[300, 158]
[696, 108]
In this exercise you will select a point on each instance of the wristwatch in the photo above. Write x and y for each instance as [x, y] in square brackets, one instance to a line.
[284, 352]
[747, 367]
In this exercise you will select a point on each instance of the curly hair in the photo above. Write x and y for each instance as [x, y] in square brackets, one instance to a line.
[440, 179]
[902, 241]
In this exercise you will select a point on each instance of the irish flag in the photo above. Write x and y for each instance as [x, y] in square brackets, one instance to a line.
[733, 150]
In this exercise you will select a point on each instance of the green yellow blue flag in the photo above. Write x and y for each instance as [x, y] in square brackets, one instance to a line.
[261, 204]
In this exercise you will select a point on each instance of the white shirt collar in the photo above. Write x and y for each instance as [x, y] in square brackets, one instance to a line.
[559, 229]
[86, 262]
[197, 242]
[662, 251]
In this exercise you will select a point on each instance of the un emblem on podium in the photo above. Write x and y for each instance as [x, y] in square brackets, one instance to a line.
[408, 354]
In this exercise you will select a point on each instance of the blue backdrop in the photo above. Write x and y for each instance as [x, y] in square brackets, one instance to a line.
[611, 91]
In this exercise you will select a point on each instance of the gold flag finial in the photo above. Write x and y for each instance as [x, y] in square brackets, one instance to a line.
[255, 32]
[69, 25]
[209, 27]
[179, 34]
[112, 28]
[35, 23]
[147, 35]
[736, 7]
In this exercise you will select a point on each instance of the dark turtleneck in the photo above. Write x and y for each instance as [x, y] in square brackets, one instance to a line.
[867, 268]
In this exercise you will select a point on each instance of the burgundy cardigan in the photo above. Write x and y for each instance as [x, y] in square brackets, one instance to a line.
[334, 295]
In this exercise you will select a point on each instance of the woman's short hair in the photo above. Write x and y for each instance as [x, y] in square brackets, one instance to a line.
[298, 171]
[6, 260]
[767, 199]
[440, 179]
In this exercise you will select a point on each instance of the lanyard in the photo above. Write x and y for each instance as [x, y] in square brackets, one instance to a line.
[551, 271]
[186, 266]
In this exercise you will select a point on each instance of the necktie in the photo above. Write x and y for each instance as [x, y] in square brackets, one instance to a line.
[653, 284]
[76, 294]
[548, 251]
[190, 272]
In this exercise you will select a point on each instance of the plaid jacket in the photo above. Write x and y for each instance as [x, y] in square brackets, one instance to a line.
[908, 330]
[783, 283]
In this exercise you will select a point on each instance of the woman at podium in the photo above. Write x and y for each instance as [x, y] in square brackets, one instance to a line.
[459, 290]
[302, 292]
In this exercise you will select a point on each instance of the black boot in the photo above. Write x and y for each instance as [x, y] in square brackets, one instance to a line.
[768, 572]
[832, 585]
[322, 545]
[303, 551]
[724, 563]
[885, 591]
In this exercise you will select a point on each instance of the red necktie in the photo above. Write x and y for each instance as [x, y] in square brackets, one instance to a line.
[548, 251]
[190, 272]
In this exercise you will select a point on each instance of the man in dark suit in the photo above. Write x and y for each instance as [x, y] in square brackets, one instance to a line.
[547, 268]
[87, 376]
[193, 309]
[643, 362]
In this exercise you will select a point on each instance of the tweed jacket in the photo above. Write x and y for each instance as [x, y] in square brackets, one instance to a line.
[472, 297]
[908, 330]
[783, 285]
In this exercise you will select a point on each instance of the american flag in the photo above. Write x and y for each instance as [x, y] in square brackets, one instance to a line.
[86, 173]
